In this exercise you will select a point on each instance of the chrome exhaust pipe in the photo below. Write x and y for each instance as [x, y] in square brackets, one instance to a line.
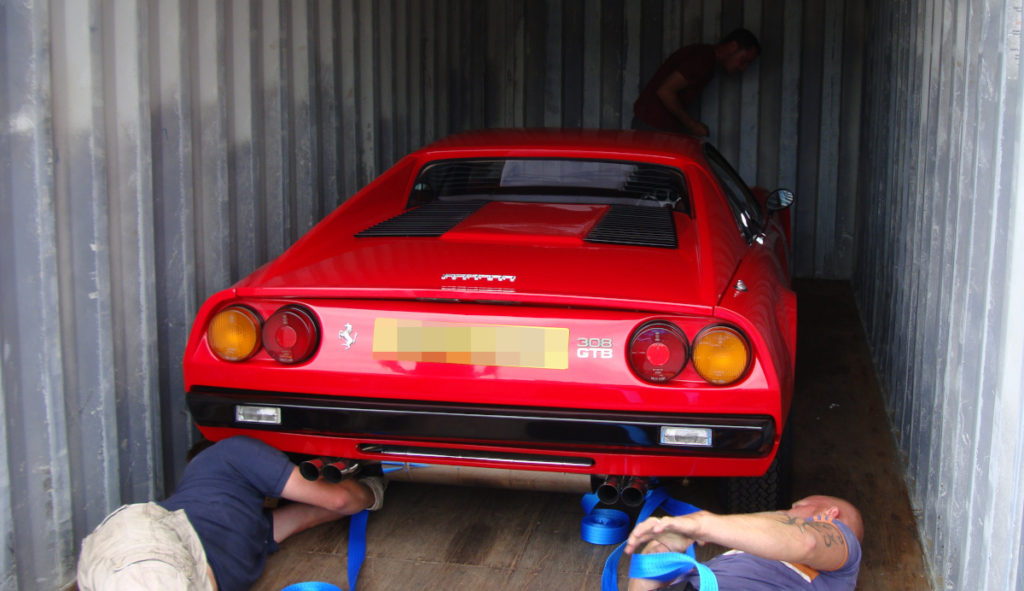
[609, 490]
[487, 477]
[333, 470]
[310, 469]
[635, 491]
[339, 470]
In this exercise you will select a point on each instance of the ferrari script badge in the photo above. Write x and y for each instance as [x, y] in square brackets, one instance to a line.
[478, 277]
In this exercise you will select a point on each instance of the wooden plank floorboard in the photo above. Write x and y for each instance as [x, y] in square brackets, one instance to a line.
[432, 537]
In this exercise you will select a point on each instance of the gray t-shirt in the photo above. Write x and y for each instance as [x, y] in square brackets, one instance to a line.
[739, 571]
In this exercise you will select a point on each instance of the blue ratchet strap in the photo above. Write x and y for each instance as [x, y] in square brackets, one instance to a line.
[356, 546]
[357, 532]
[657, 498]
[668, 566]
[312, 586]
[602, 526]
[388, 467]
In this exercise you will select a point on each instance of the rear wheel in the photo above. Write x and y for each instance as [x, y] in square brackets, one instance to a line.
[762, 493]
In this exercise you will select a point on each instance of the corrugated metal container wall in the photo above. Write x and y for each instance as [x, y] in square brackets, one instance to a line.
[154, 152]
[940, 270]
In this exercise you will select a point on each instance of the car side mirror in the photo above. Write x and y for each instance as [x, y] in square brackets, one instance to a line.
[779, 199]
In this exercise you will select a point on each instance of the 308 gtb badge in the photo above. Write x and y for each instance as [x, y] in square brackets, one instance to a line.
[594, 348]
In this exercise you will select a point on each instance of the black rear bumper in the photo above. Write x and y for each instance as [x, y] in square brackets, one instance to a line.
[549, 428]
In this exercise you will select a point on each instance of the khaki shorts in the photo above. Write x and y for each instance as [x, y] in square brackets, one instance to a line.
[143, 546]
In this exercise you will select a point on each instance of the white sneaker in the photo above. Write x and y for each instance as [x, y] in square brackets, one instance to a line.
[377, 485]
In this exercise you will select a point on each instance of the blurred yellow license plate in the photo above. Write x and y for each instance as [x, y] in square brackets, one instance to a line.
[503, 346]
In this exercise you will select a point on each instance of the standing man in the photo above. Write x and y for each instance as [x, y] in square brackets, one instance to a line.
[677, 84]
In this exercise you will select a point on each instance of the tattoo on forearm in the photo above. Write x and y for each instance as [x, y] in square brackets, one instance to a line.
[790, 520]
[829, 533]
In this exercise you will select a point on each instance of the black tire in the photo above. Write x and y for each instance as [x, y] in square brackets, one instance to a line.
[762, 493]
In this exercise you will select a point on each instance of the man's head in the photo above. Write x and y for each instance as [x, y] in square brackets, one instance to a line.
[737, 50]
[832, 507]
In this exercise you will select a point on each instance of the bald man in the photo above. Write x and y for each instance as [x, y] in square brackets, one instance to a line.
[813, 546]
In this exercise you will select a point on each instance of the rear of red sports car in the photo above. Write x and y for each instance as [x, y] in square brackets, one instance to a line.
[612, 304]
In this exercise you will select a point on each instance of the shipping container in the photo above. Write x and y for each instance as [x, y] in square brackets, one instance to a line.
[155, 152]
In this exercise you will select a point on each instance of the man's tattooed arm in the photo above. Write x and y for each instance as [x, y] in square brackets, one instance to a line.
[826, 533]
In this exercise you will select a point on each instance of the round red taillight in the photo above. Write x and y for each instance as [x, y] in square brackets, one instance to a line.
[291, 335]
[658, 351]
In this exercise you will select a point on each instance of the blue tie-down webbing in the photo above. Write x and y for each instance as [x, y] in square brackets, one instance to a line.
[668, 566]
[312, 586]
[357, 532]
[357, 535]
[356, 546]
[356, 541]
[356, 555]
[610, 526]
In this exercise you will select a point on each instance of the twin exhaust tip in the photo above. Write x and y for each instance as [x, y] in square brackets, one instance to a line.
[333, 470]
[631, 490]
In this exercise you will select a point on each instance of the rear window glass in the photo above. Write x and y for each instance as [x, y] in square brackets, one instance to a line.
[548, 180]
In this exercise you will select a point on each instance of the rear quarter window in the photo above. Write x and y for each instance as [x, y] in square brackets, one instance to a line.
[744, 207]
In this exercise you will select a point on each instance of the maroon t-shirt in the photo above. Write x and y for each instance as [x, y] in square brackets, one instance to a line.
[697, 64]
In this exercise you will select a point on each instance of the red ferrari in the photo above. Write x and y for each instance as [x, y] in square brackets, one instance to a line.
[610, 307]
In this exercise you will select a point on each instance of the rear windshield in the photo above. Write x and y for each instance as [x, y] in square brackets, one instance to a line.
[546, 180]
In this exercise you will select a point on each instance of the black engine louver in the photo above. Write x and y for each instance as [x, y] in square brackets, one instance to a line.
[635, 226]
[429, 220]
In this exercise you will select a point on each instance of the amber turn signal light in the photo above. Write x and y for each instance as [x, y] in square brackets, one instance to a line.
[234, 333]
[721, 354]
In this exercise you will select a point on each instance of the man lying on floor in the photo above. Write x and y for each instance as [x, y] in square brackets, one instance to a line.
[213, 532]
[813, 546]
